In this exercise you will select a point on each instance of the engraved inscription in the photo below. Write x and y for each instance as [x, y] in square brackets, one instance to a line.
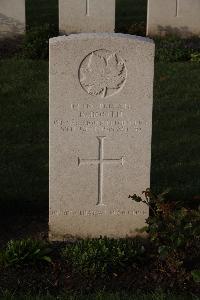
[102, 73]
[100, 126]
[90, 213]
[101, 119]
[100, 163]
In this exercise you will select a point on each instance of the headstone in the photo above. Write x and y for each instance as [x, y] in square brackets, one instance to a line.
[179, 17]
[76, 16]
[12, 18]
[101, 94]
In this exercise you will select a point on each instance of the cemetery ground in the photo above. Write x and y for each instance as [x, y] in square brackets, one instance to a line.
[169, 263]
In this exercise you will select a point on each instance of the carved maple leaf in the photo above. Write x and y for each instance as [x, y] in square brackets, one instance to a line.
[102, 74]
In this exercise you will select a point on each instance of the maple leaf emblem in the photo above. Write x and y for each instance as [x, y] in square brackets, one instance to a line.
[103, 73]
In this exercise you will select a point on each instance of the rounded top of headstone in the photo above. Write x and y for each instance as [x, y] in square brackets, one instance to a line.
[90, 36]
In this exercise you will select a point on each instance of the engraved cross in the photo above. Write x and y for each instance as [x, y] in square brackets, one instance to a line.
[100, 163]
[87, 7]
[177, 7]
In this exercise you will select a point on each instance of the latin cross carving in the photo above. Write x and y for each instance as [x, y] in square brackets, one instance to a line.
[177, 8]
[100, 162]
[87, 7]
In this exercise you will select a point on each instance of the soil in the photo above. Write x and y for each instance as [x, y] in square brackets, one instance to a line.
[20, 226]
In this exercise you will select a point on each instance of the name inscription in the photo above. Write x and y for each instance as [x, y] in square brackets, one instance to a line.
[101, 118]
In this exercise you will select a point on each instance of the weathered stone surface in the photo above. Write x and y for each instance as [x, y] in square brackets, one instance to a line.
[12, 18]
[76, 16]
[101, 94]
[180, 17]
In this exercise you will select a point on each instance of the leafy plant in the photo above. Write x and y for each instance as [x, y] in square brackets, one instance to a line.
[24, 252]
[173, 229]
[195, 57]
[103, 257]
[196, 275]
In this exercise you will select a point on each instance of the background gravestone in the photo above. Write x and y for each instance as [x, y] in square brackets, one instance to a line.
[180, 17]
[101, 92]
[86, 16]
[12, 18]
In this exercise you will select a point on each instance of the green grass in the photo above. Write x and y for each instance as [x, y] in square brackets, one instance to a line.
[176, 130]
[130, 11]
[104, 296]
[39, 12]
[24, 132]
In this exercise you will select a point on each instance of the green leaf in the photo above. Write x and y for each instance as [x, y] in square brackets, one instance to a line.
[161, 196]
[163, 251]
[196, 275]
[47, 258]
[142, 230]
[37, 251]
[136, 198]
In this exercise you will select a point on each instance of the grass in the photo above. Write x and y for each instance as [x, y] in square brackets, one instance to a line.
[130, 11]
[39, 12]
[176, 143]
[104, 296]
[24, 132]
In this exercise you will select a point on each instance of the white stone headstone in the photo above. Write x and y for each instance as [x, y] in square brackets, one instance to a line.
[101, 97]
[76, 16]
[12, 18]
[180, 17]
